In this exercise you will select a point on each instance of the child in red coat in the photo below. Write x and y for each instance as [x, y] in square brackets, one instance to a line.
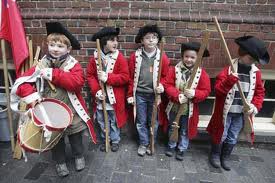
[175, 83]
[227, 120]
[143, 65]
[115, 76]
[66, 74]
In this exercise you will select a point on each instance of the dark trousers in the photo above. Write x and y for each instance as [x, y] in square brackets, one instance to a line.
[58, 151]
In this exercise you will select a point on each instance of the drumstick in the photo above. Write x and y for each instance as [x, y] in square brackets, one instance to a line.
[44, 114]
[41, 66]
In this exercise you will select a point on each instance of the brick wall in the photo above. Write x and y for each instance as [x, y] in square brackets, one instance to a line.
[180, 20]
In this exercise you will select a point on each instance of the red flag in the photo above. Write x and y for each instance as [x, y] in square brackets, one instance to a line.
[12, 30]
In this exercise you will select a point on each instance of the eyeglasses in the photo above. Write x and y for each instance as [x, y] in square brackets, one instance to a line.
[151, 37]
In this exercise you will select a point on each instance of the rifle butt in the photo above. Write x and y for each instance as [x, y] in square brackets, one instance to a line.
[174, 136]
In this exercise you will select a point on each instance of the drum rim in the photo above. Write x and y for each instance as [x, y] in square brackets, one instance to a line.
[67, 108]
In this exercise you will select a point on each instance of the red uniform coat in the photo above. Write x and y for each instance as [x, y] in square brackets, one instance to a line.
[118, 77]
[201, 85]
[71, 79]
[134, 69]
[224, 97]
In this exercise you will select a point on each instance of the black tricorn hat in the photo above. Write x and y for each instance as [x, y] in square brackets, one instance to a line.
[57, 27]
[193, 46]
[146, 29]
[254, 47]
[106, 31]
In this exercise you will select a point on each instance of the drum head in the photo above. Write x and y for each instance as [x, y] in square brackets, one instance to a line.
[55, 114]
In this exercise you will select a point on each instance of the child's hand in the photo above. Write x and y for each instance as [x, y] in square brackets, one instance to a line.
[130, 100]
[252, 109]
[160, 89]
[47, 73]
[235, 74]
[99, 95]
[189, 93]
[102, 76]
[183, 99]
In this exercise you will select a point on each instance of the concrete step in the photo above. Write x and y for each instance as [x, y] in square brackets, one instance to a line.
[262, 126]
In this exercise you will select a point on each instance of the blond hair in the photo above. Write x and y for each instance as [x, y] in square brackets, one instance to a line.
[59, 37]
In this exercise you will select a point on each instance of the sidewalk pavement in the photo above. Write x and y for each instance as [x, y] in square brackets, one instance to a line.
[250, 165]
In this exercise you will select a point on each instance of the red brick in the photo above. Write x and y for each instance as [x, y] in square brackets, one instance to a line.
[158, 5]
[154, 14]
[172, 47]
[128, 45]
[140, 5]
[134, 13]
[89, 30]
[62, 4]
[246, 27]
[100, 4]
[26, 4]
[36, 23]
[262, 1]
[104, 13]
[88, 44]
[119, 4]
[180, 6]
[180, 40]
[44, 4]
[36, 30]
[271, 2]
[233, 27]
[114, 13]
[181, 25]
[124, 13]
[81, 4]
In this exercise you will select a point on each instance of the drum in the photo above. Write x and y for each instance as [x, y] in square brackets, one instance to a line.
[49, 120]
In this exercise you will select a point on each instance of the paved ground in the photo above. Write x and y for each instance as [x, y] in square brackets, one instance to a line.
[250, 165]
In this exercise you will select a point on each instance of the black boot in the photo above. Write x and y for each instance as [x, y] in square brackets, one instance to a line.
[214, 157]
[225, 154]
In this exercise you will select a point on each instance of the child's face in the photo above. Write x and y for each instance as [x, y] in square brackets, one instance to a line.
[189, 58]
[57, 49]
[111, 45]
[150, 41]
[247, 60]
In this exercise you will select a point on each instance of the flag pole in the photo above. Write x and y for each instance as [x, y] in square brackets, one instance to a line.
[5, 68]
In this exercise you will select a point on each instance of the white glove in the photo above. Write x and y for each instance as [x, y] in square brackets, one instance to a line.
[130, 100]
[160, 89]
[46, 73]
[102, 76]
[189, 93]
[252, 109]
[183, 99]
[99, 95]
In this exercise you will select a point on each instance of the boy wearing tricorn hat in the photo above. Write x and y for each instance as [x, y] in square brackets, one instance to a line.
[175, 84]
[66, 74]
[115, 76]
[227, 120]
[143, 65]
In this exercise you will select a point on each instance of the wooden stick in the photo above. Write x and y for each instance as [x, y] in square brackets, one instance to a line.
[30, 54]
[104, 99]
[175, 127]
[155, 105]
[247, 118]
[36, 57]
[7, 90]
[230, 61]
